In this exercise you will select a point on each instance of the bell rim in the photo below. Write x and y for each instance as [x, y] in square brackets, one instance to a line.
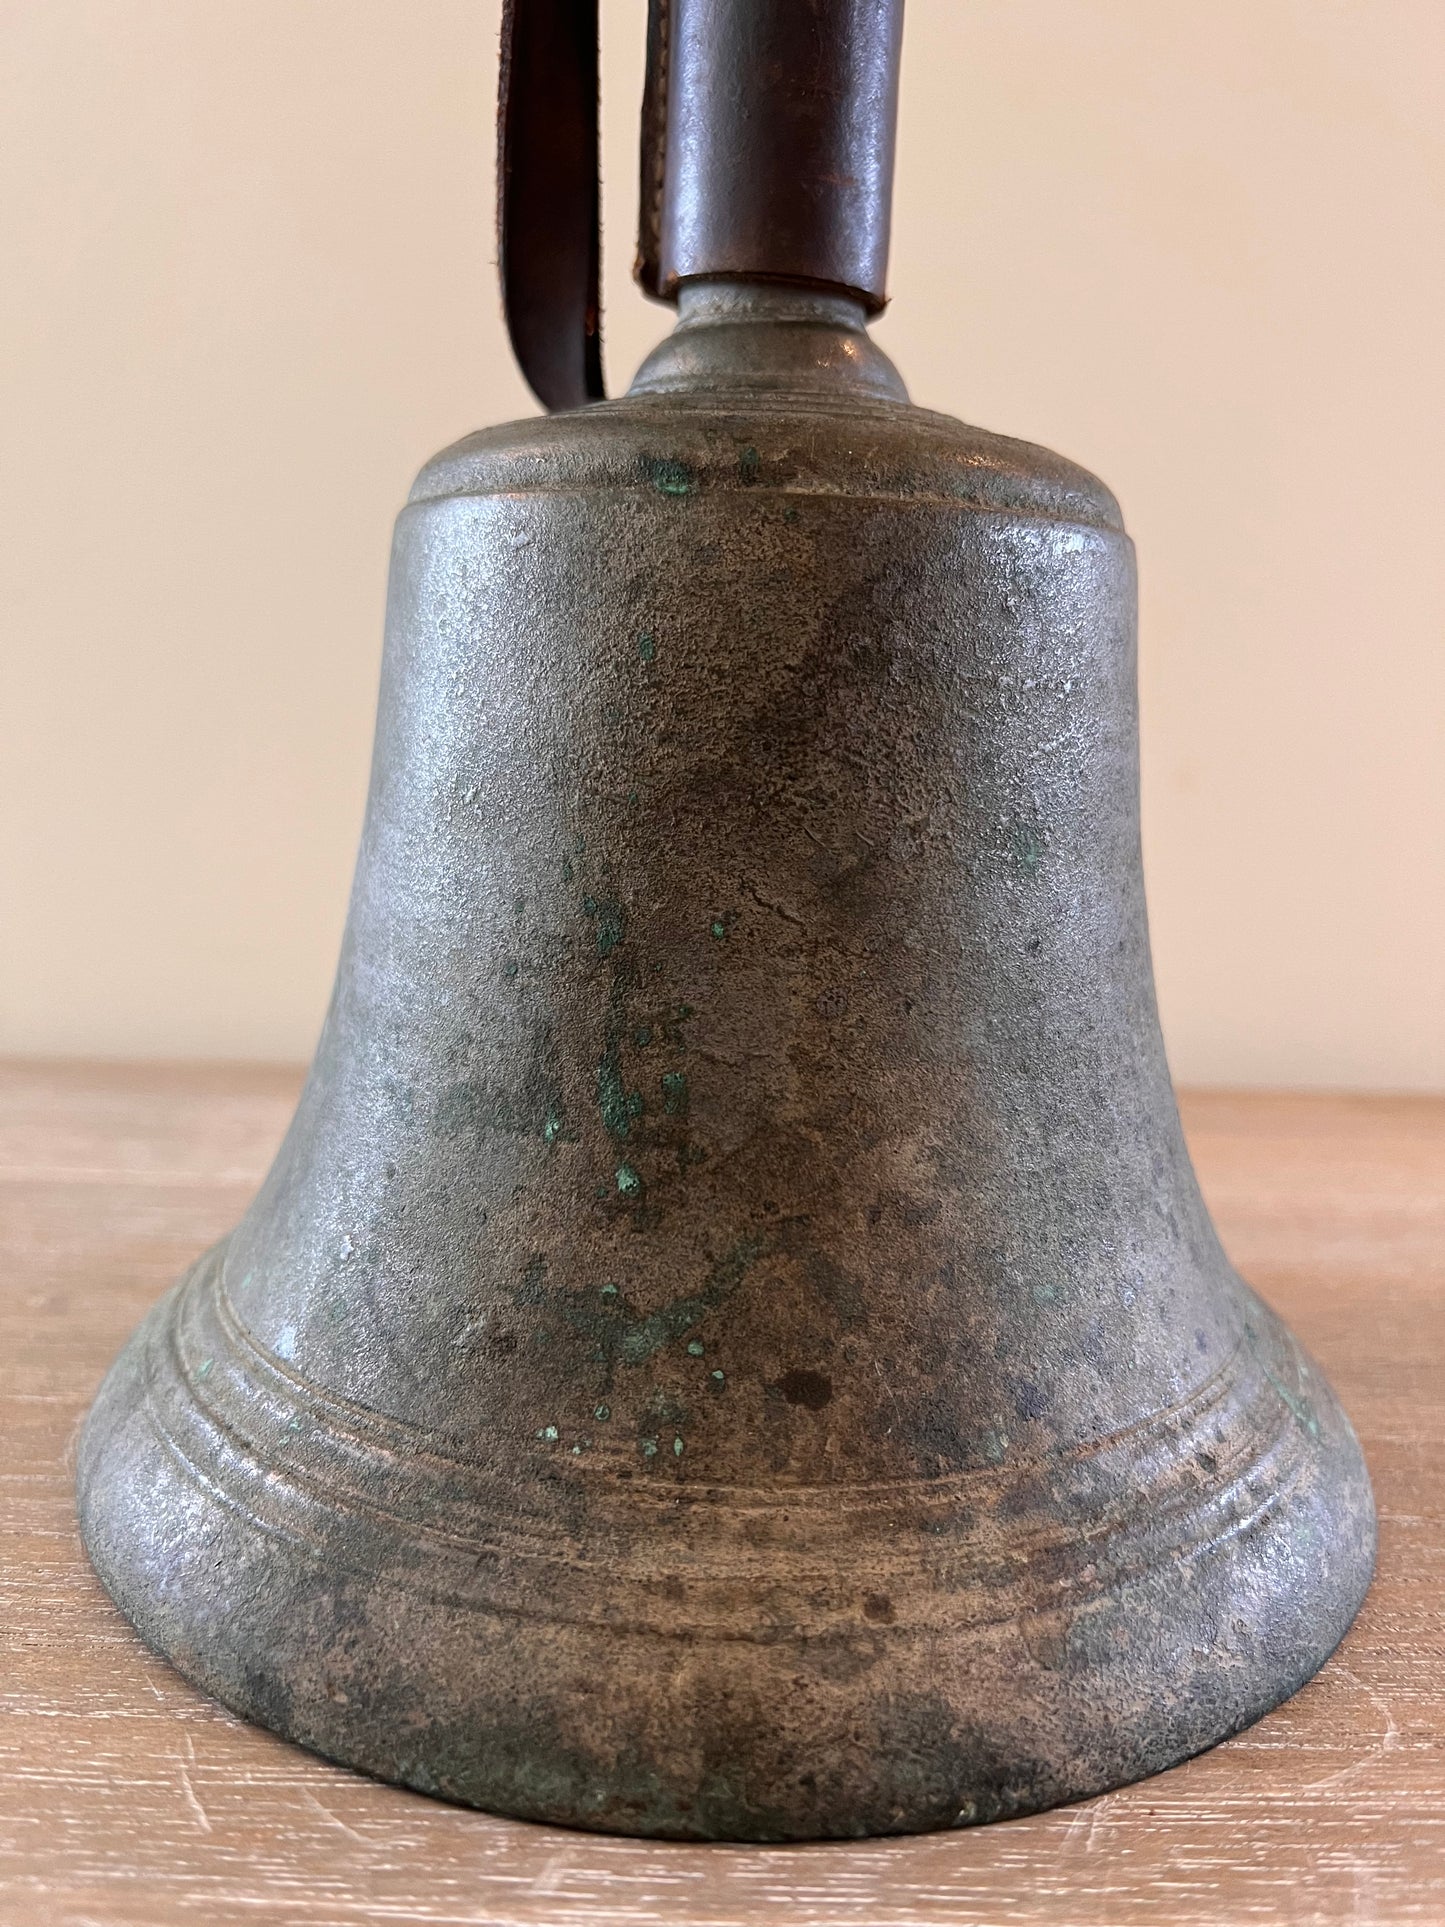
[174, 1589]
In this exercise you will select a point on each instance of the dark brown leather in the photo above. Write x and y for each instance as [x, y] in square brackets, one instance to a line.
[654, 147]
[547, 197]
[780, 129]
[767, 155]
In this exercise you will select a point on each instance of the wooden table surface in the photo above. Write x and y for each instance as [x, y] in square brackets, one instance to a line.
[128, 1800]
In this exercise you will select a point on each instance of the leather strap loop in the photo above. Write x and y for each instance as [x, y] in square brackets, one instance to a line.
[548, 224]
[767, 155]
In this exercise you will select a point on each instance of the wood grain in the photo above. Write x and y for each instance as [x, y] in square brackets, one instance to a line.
[128, 1800]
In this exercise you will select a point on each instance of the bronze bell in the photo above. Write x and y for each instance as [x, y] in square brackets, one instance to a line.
[731, 1346]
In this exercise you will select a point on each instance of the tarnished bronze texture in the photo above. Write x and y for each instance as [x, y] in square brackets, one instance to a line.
[731, 1346]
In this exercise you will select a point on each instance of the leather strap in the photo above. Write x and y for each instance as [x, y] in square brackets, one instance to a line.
[767, 155]
[654, 147]
[548, 226]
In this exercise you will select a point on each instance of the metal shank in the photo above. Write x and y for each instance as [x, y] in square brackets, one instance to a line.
[780, 124]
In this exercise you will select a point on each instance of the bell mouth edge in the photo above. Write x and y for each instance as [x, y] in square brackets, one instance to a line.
[875, 1730]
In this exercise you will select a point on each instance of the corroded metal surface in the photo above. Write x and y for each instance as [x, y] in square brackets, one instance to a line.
[732, 1346]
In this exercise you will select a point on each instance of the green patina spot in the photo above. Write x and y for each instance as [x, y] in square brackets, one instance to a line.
[632, 1340]
[647, 645]
[667, 475]
[548, 1432]
[790, 515]
[294, 1425]
[648, 1448]
[628, 1182]
[567, 871]
[719, 929]
[203, 1370]
[611, 921]
[695, 1348]
[674, 1093]
[611, 1098]
[509, 971]
[677, 1448]
[748, 466]
[634, 1104]
[603, 1413]
[602, 1190]
[552, 1129]
[719, 1378]
[1299, 1407]
[580, 844]
[576, 1449]
[632, 797]
[1027, 843]
[642, 1036]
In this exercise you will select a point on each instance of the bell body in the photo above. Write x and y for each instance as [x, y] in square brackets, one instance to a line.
[732, 1346]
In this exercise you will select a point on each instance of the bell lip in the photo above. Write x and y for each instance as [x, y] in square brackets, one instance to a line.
[179, 1591]
[681, 1835]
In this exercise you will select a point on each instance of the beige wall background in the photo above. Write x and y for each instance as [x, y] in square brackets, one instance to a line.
[246, 287]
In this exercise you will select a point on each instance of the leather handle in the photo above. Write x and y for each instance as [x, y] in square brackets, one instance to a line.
[548, 223]
[767, 154]
[647, 270]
